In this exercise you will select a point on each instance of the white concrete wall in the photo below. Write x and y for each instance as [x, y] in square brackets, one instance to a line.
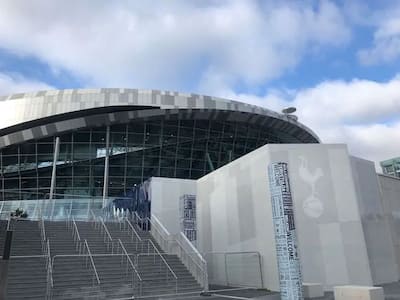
[390, 191]
[234, 212]
[165, 194]
[376, 224]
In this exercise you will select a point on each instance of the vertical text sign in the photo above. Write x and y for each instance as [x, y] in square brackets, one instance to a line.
[285, 232]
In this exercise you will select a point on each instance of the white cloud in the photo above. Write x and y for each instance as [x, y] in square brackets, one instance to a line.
[163, 45]
[10, 84]
[384, 20]
[386, 45]
[361, 113]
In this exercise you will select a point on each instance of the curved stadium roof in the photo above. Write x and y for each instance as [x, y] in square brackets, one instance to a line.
[47, 113]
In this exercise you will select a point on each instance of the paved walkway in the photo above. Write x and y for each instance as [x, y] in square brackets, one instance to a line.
[392, 292]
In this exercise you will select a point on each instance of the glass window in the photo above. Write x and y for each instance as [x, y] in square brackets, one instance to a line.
[45, 148]
[44, 182]
[116, 171]
[167, 172]
[182, 173]
[135, 139]
[118, 128]
[136, 127]
[81, 181]
[134, 172]
[99, 138]
[118, 139]
[28, 148]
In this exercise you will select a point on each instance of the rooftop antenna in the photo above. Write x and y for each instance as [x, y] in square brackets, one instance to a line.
[288, 113]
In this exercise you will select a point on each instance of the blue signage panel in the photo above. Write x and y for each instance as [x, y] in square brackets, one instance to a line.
[285, 232]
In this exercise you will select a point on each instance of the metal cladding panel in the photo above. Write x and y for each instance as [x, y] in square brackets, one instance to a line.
[30, 107]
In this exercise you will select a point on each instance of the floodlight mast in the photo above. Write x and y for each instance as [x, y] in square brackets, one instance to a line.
[288, 113]
[289, 110]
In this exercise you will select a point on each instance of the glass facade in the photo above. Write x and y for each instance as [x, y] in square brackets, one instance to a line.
[137, 150]
[391, 167]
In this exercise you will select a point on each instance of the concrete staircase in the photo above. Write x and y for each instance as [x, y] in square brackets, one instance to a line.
[27, 266]
[156, 276]
[72, 278]
[114, 250]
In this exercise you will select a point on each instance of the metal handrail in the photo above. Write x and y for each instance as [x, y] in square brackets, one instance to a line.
[92, 262]
[142, 220]
[93, 215]
[190, 255]
[163, 259]
[165, 241]
[43, 230]
[129, 259]
[76, 236]
[1, 208]
[198, 262]
[203, 275]
[75, 228]
[9, 222]
[108, 235]
[49, 266]
[133, 229]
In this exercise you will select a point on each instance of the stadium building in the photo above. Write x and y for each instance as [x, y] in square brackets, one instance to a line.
[113, 139]
[193, 182]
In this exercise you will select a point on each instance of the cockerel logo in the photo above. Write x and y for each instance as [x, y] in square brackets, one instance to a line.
[312, 205]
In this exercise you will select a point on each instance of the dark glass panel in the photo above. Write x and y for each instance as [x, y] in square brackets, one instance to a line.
[81, 181]
[66, 138]
[118, 139]
[116, 170]
[135, 139]
[182, 173]
[197, 173]
[183, 163]
[136, 127]
[118, 128]
[168, 162]
[167, 172]
[64, 181]
[99, 138]
[132, 171]
[82, 137]
[45, 148]
[44, 182]
[64, 171]
[134, 159]
[27, 148]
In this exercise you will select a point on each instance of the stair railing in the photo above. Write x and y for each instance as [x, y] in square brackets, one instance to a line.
[160, 233]
[67, 219]
[9, 225]
[156, 253]
[129, 262]
[95, 219]
[42, 235]
[106, 235]
[133, 232]
[90, 258]
[1, 208]
[49, 278]
[182, 247]
[76, 236]
[192, 259]
[141, 222]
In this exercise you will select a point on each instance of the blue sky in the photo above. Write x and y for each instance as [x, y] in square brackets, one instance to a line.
[336, 61]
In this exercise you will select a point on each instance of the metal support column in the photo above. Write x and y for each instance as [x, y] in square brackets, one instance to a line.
[53, 174]
[106, 164]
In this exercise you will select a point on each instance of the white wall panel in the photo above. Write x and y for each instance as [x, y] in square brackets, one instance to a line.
[234, 212]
